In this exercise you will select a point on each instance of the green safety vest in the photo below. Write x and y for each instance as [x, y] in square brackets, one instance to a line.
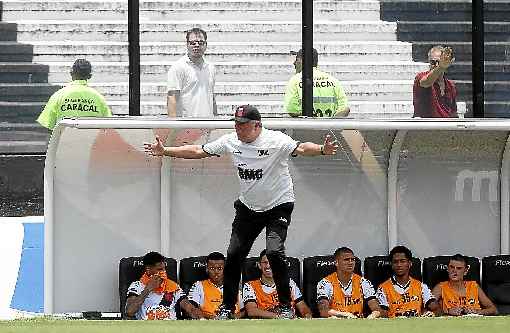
[73, 101]
[328, 95]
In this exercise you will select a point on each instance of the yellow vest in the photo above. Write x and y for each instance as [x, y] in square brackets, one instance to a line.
[409, 304]
[265, 301]
[451, 299]
[345, 303]
[213, 297]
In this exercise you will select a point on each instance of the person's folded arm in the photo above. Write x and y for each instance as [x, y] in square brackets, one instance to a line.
[191, 309]
[253, 311]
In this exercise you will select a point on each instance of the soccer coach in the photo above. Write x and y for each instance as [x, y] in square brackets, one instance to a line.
[266, 197]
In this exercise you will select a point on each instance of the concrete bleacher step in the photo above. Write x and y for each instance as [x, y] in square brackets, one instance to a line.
[20, 112]
[359, 109]
[8, 31]
[358, 90]
[13, 146]
[19, 138]
[199, 10]
[58, 30]
[450, 31]
[20, 92]
[495, 91]
[254, 71]
[30, 132]
[493, 51]
[21, 72]
[442, 10]
[493, 70]
[12, 51]
[382, 90]
[45, 51]
[495, 109]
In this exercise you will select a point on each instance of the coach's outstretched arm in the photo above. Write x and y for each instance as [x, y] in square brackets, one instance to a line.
[312, 149]
[187, 151]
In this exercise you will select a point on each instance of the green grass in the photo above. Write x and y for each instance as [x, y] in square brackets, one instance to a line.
[417, 325]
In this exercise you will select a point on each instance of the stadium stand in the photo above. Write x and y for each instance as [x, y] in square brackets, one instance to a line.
[435, 270]
[131, 269]
[192, 269]
[314, 269]
[496, 281]
[377, 269]
[23, 87]
[252, 272]
[426, 23]
[248, 40]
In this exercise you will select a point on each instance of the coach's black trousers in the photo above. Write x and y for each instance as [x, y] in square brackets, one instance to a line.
[247, 225]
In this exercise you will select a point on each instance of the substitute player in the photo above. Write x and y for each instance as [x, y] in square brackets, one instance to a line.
[205, 297]
[343, 294]
[261, 299]
[458, 297]
[154, 296]
[266, 199]
[402, 295]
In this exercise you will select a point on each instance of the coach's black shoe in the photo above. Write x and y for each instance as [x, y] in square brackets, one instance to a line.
[224, 313]
[286, 312]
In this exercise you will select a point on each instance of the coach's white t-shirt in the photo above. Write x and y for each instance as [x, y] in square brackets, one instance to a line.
[262, 167]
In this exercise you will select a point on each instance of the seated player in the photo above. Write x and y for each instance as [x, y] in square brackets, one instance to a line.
[261, 299]
[458, 297]
[401, 295]
[343, 293]
[205, 297]
[154, 296]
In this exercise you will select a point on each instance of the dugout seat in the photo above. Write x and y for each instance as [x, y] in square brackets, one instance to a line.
[315, 269]
[496, 281]
[131, 269]
[252, 272]
[377, 269]
[435, 270]
[192, 269]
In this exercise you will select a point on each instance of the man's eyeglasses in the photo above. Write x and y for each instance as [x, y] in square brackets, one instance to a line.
[434, 62]
[197, 42]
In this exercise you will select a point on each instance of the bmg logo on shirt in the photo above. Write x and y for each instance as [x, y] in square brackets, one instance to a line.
[250, 174]
[263, 152]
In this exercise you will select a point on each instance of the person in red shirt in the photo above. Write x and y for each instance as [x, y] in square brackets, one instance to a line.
[434, 95]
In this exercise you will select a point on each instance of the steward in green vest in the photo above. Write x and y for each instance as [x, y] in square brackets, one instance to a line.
[329, 98]
[75, 100]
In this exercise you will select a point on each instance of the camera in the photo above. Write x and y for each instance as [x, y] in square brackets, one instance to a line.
[448, 50]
